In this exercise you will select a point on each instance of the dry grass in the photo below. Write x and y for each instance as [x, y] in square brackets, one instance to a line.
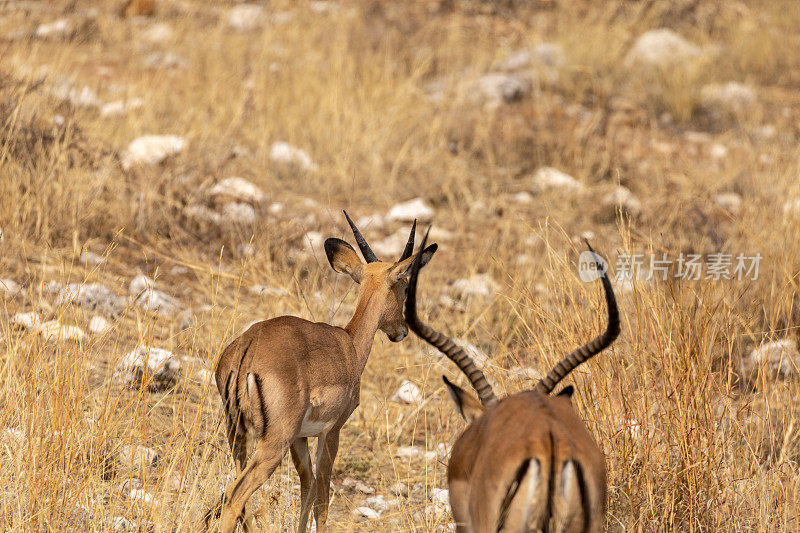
[690, 445]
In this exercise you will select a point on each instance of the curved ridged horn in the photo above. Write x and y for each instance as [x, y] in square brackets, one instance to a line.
[366, 251]
[409, 249]
[590, 349]
[441, 342]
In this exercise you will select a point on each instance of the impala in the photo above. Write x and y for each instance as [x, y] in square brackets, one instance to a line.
[287, 379]
[526, 462]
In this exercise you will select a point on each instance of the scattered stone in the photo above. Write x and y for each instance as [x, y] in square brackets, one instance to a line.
[246, 17]
[442, 451]
[203, 214]
[548, 178]
[363, 488]
[732, 98]
[730, 201]
[58, 29]
[155, 301]
[522, 197]
[140, 495]
[371, 222]
[237, 189]
[9, 288]
[157, 367]
[365, 513]
[545, 54]
[276, 209]
[286, 155]
[166, 60]
[452, 303]
[790, 208]
[92, 296]
[150, 150]
[98, 325]
[622, 197]
[779, 359]
[78, 97]
[139, 284]
[477, 285]
[407, 394]
[120, 108]
[440, 496]
[55, 331]
[474, 352]
[415, 453]
[238, 213]
[137, 457]
[379, 503]
[91, 258]
[52, 287]
[411, 210]
[495, 88]
[205, 375]
[158, 33]
[661, 48]
[400, 490]
[27, 320]
[121, 524]
[393, 245]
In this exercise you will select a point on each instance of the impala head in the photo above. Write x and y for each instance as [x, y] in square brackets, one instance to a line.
[387, 281]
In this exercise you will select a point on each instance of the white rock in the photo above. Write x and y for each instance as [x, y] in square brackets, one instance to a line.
[370, 222]
[151, 150]
[140, 495]
[165, 60]
[365, 513]
[238, 213]
[98, 324]
[119, 108]
[79, 97]
[238, 189]
[729, 201]
[137, 457]
[442, 451]
[364, 488]
[139, 284]
[392, 246]
[120, 524]
[276, 209]
[718, 151]
[778, 359]
[9, 288]
[660, 48]
[731, 97]
[477, 285]
[27, 320]
[522, 197]
[54, 30]
[790, 208]
[203, 214]
[91, 258]
[474, 352]
[544, 54]
[155, 301]
[92, 296]
[498, 87]
[410, 210]
[408, 394]
[205, 375]
[622, 197]
[158, 33]
[314, 244]
[400, 489]
[284, 154]
[548, 178]
[415, 453]
[378, 503]
[55, 331]
[144, 363]
[52, 287]
[440, 496]
[246, 17]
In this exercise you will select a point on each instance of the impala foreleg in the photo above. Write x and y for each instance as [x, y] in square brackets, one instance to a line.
[302, 462]
[327, 448]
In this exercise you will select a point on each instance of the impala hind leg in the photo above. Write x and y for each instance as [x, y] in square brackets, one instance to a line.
[459, 504]
[237, 440]
[262, 464]
[302, 462]
[327, 448]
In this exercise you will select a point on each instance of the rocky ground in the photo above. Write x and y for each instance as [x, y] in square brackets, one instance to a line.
[169, 177]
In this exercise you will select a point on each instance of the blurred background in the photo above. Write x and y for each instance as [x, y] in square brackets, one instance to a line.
[169, 170]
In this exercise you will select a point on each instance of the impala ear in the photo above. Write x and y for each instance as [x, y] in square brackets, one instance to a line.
[567, 392]
[343, 258]
[402, 269]
[468, 407]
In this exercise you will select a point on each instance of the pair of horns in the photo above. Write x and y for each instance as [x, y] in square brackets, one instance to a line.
[366, 251]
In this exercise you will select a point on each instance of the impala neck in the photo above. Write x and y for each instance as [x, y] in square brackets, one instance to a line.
[364, 324]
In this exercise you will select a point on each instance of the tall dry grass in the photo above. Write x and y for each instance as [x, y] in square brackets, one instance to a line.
[690, 444]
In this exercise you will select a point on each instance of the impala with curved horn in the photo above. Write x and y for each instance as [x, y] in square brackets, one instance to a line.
[287, 379]
[526, 462]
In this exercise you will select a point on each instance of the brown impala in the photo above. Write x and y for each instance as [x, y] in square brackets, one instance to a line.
[526, 462]
[287, 379]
